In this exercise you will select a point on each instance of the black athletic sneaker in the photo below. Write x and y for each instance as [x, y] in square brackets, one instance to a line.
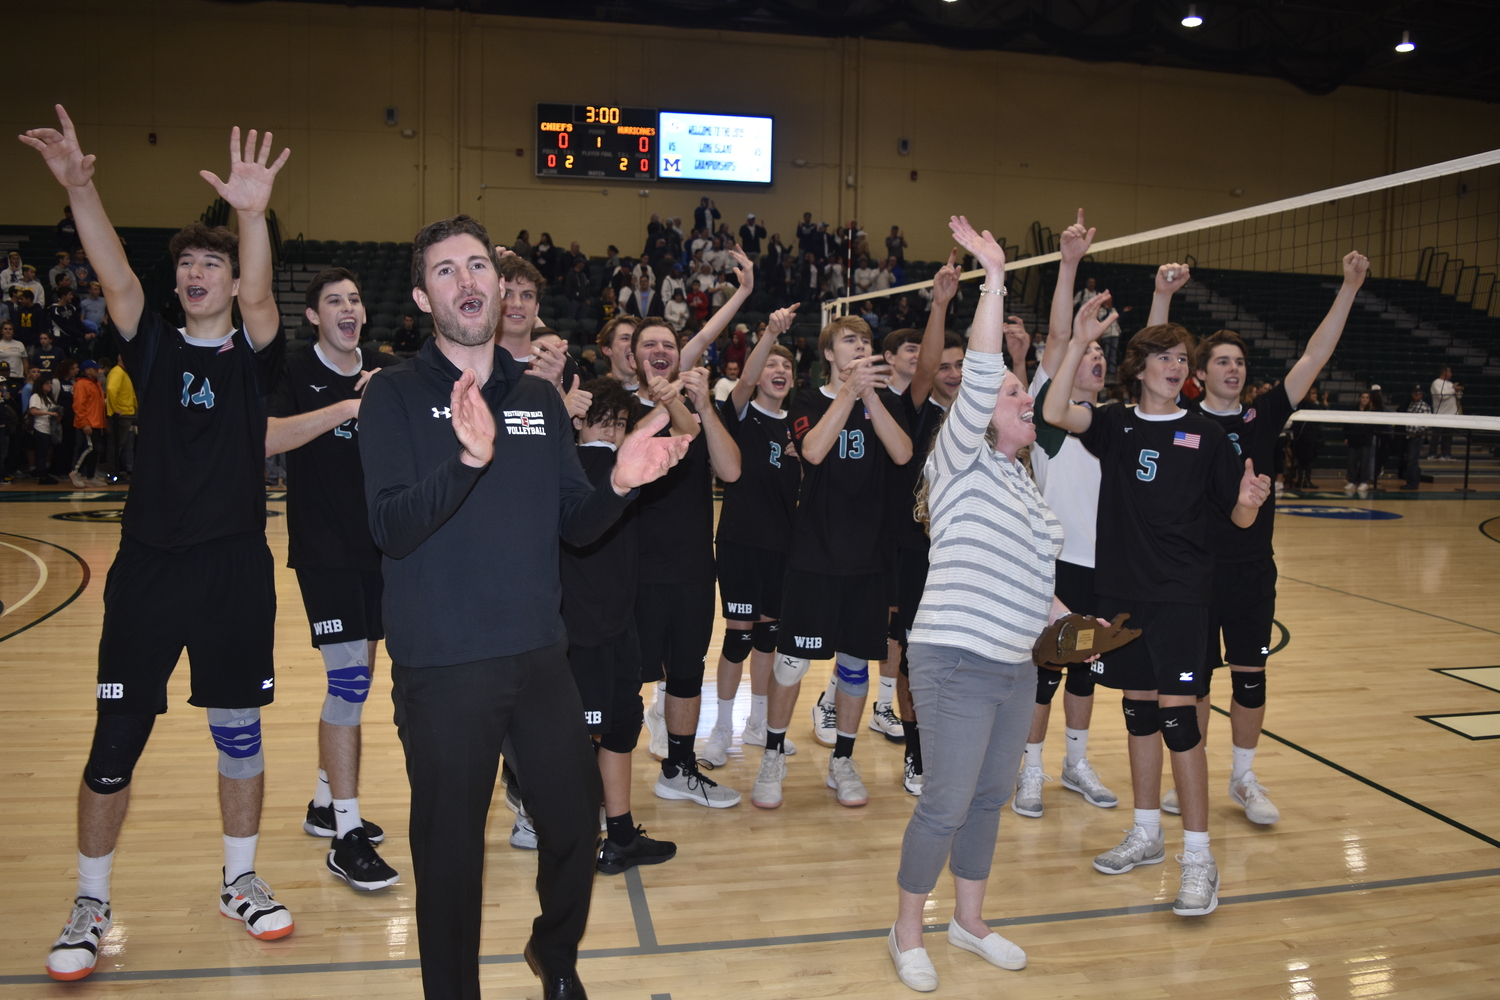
[320, 823]
[613, 858]
[354, 860]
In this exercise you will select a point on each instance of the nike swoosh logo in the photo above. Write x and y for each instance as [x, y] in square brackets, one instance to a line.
[317, 388]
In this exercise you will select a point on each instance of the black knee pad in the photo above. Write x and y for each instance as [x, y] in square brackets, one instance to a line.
[1080, 682]
[118, 743]
[1249, 687]
[1047, 683]
[1179, 727]
[623, 737]
[737, 642]
[763, 636]
[685, 687]
[1141, 717]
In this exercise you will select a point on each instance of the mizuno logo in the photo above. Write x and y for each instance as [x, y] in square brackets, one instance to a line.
[317, 388]
[1186, 675]
[444, 412]
[268, 683]
[1265, 651]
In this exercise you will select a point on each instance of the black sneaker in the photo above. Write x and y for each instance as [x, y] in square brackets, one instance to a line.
[354, 860]
[320, 823]
[614, 858]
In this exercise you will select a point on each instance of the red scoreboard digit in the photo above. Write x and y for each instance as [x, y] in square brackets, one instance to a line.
[596, 141]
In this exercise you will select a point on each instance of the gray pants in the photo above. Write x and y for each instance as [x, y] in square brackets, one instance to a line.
[975, 714]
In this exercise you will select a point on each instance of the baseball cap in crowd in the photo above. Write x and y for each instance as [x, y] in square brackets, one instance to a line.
[1374, 388]
[86, 365]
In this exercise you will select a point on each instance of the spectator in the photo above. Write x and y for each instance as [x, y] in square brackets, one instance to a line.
[676, 311]
[570, 256]
[644, 301]
[705, 215]
[1412, 469]
[12, 273]
[902, 316]
[67, 231]
[1445, 397]
[64, 260]
[825, 244]
[864, 275]
[28, 281]
[1306, 437]
[576, 288]
[856, 240]
[13, 351]
[642, 269]
[673, 283]
[83, 271]
[870, 315]
[408, 339]
[120, 404]
[806, 231]
[898, 272]
[774, 253]
[809, 279]
[653, 233]
[45, 427]
[751, 233]
[544, 256]
[895, 244]
[1360, 475]
[697, 300]
[66, 322]
[522, 246]
[88, 426]
[702, 243]
[833, 278]
[593, 363]
[10, 420]
[725, 385]
[611, 259]
[47, 356]
[719, 259]
[609, 305]
[883, 277]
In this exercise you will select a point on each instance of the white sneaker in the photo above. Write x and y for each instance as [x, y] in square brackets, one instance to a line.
[766, 794]
[1248, 792]
[914, 967]
[716, 747]
[993, 948]
[755, 736]
[1364, 489]
[884, 720]
[1349, 488]
[77, 948]
[843, 778]
[912, 780]
[77, 480]
[1199, 895]
[1169, 803]
[691, 785]
[1028, 798]
[656, 726]
[522, 833]
[249, 900]
[1082, 779]
[825, 719]
[1135, 849]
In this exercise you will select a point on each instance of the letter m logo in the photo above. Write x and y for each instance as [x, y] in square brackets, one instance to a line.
[672, 164]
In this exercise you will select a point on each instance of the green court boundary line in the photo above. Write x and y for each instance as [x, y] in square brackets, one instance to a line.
[1402, 607]
[1484, 528]
[82, 585]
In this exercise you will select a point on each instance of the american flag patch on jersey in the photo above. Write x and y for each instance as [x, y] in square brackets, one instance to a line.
[1186, 440]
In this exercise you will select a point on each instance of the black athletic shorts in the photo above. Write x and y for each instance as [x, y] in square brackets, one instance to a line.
[675, 622]
[342, 604]
[823, 615]
[750, 581]
[911, 578]
[1244, 602]
[1167, 657]
[609, 682]
[217, 600]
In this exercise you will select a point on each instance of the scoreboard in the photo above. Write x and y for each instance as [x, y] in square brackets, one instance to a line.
[596, 142]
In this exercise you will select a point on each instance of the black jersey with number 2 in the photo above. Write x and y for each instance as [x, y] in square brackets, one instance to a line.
[1253, 432]
[1160, 482]
[759, 506]
[834, 533]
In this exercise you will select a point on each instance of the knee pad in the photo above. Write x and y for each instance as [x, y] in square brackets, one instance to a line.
[625, 728]
[348, 681]
[1179, 728]
[737, 643]
[1047, 683]
[118, 743]
[1080, 682]
[1249, 687]
[763, 636]
[236, 732]
[685, 687]
[853, 675]
[1141, 717]
[788, 670]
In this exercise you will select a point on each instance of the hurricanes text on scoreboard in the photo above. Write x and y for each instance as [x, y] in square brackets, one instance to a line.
[596, 142]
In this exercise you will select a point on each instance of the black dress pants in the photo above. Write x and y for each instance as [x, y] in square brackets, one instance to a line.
[452, 722]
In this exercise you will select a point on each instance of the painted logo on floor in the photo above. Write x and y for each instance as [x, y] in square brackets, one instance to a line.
[1337, 513]
[110, 515]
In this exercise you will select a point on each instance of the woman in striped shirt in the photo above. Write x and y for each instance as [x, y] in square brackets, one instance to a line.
[989, 594]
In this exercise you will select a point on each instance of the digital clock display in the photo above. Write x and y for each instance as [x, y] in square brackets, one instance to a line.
[596, 142]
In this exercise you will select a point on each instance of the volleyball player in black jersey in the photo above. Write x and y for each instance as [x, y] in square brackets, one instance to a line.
[755, 532]
[193, 570]
[836, 600]
[314, 419]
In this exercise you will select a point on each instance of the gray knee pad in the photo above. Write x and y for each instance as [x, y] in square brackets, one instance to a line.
[1249, 687]
[1141, 717]
[737, 642]
[118, 742]
[236, 732]
[763, 636]
[348, 667]
[788, 670]
[1179, 727]
[853, 675]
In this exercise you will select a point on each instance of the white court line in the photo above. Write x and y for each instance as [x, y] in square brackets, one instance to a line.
[40, 583]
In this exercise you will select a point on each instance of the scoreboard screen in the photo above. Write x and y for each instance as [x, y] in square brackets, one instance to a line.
[596, 142]
[721, 148]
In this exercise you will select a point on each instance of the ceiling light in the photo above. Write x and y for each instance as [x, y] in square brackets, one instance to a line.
[1192, 20]
[1406, 44]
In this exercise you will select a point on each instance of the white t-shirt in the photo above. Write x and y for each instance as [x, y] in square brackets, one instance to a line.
[724, 387]
[1444, 396]
[1069, 482]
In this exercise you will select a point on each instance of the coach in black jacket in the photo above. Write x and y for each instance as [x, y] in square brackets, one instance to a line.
[472, 477]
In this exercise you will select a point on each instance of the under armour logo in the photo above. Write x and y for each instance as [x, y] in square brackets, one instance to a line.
[444, 412]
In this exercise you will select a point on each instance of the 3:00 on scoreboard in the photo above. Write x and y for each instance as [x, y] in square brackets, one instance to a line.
[596, 141]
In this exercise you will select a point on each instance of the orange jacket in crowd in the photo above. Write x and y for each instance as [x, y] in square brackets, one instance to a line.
[88, 404]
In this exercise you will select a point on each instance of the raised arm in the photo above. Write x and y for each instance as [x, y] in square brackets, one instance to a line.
[1059, 408]
[1169, 278]
[248, 192]
[930, 358]
[723, 453]
[719, 321]
[1321, 344]
[1073, 244]
[779, 323]
[75, 172]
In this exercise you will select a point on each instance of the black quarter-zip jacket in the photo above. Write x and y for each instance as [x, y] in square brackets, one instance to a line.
[471, 555]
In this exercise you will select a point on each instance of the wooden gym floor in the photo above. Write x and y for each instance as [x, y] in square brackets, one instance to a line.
[1382, 878]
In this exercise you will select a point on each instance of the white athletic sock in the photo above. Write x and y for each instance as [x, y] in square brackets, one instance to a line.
[757, 708]
[1150, 821]
[1034, 754]
[345, 815]
[1244, 760]
[322, 795]
[833, 687]
[1194, 842]
[887, 691]
[1077, 746]
[239, 856]
[726, 714]
[93, 876]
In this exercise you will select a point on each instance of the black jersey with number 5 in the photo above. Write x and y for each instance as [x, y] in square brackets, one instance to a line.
[1160, 482]
[835, 533]
[1253, 433]
[759, 506]
[200, 459]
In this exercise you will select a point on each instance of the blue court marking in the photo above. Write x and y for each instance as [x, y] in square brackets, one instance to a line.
[1336, 513]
